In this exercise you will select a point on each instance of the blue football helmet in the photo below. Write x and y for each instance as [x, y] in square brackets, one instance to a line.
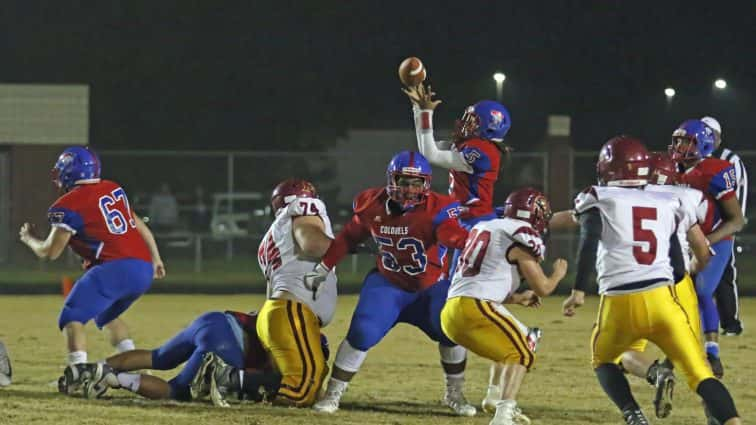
[76, 165]
[408, 164]
[486, 119]
[692, 140]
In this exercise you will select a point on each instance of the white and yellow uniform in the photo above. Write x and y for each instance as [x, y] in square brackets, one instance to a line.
[638, 297]
[474, 316]
[290, 330]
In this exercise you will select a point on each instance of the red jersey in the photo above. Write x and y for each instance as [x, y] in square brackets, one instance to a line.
[476, 190]
[407, 242]
[102, 223]
[716, 179]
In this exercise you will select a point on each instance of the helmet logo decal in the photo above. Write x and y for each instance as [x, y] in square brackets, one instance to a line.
[523, 214]
[642, 171]
[411, 170]
[496, 118]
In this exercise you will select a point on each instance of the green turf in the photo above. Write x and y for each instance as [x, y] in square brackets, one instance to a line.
[400, 383]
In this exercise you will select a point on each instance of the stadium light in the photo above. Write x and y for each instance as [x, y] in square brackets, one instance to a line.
[669, 92]
[499, 77]
[720, 84]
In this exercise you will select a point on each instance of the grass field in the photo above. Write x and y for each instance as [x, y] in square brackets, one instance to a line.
[400, 383]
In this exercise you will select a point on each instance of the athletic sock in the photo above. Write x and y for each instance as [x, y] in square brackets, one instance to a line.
[615, 385]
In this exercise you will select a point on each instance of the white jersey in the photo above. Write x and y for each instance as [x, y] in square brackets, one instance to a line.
[483, 271]
[694, 205]
[636, 227]
[284, 270]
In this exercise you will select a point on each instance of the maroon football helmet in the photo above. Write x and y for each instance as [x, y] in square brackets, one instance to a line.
[528, 204]
[663, 169]
[290, 189]
[623, 161]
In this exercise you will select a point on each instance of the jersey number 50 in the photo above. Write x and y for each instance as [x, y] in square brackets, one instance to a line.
[114, 217]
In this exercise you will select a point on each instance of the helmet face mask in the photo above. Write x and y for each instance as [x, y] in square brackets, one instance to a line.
[486, 120]
[531, 205]
[408, 179]
[692, 141]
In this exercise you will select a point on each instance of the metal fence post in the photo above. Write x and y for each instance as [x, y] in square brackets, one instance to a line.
[230, 185]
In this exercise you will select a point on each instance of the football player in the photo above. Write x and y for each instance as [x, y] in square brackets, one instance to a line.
[635, 274]
[474, 158]
[663, 177]
[407, 221]
[474, 316]
[692, 143]
[229, 337]
[290, 320]
[94, 217]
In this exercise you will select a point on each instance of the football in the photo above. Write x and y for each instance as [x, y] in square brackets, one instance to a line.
[412, 72]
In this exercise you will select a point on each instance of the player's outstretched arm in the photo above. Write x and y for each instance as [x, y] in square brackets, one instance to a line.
[309, 233]
[157, 262]
[437, 153]
[700, 247]
[563, 220]
[531, 271]
[346, 241]
[733, 220]
[50, 248]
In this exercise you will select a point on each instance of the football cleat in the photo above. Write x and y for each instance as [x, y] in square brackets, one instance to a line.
[104, 377]
[716, 365]
[200, 385]
[455, 400]
[733, 330]
[329, 403]
[493, 396]
[534, 337]
[507, 413]
[6, 372]
[634, 417]
[665, 387]
[74, 377]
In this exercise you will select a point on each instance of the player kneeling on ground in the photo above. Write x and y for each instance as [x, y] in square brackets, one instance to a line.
[474, 316]
[213, 338]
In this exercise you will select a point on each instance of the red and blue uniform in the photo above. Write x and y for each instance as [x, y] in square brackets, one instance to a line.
[475, 191]
[403, 286]
[716, 179]
[104, 234]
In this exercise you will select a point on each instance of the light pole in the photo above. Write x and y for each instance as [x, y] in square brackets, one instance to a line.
[499, 77]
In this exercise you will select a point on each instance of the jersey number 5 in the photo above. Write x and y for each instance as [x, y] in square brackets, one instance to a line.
[644, 256]
[114, 217]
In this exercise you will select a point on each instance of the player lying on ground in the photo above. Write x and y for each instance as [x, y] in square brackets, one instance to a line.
[662, 177]
[692, 143]
[94, 217]
[498, 252]
[231, 338]
[636, 279]
[407, 221]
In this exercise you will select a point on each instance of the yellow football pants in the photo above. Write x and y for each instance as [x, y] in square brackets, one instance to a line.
[656, 315]
[487, 329]
[290, 333]
[686, 293]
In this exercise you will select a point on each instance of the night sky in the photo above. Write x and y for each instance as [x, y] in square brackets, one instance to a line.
[296, 75]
